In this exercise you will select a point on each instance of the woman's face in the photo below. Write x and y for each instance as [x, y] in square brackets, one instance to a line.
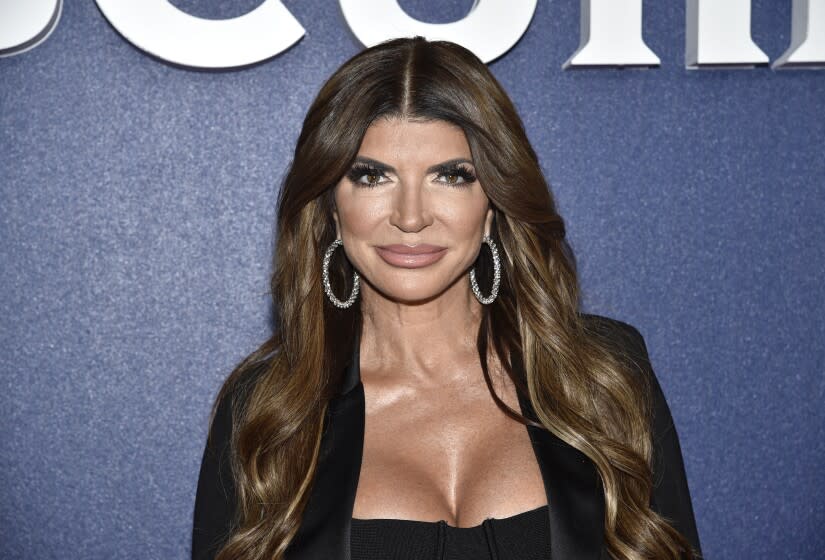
[411, 212]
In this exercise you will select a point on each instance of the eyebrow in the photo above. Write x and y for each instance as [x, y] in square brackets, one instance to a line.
[432, 169]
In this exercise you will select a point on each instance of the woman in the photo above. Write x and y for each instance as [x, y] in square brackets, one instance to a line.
[432, 390]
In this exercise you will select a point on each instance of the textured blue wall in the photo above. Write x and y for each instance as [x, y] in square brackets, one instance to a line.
[136, 225]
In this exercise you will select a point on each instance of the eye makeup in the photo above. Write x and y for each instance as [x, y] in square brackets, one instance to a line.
[362, 169]
[453, 168]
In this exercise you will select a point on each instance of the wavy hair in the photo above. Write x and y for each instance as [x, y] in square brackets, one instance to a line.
[579, 388]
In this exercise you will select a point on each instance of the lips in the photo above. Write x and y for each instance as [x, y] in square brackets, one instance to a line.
[415, 256]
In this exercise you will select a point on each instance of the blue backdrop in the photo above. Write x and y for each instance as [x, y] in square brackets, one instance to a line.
[136, 223]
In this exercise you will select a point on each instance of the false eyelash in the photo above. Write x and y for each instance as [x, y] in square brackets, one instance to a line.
[461, 171]
[360, 169]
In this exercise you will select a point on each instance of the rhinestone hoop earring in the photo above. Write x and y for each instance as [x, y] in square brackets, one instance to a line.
[496, 275]
[328, 287]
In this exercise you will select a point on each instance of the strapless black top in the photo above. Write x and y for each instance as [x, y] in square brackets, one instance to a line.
[524, 536]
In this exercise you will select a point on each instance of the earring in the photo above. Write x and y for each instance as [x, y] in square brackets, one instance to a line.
[328, 287]
[496, 275]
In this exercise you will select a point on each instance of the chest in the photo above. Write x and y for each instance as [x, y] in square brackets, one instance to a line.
[445, 454]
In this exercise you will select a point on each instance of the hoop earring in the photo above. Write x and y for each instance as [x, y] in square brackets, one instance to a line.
[328, 287]
[496, 275]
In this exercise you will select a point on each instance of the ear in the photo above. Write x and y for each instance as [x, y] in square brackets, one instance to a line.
[335, 219]
[488, 222]
[337, 226]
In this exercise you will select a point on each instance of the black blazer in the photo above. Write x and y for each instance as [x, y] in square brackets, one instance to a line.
[576, 502]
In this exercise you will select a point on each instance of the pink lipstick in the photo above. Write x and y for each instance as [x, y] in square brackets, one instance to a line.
[411, 256]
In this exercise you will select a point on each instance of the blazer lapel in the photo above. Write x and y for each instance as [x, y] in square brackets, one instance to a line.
[574, 495]
[325, 527]
[573, 488]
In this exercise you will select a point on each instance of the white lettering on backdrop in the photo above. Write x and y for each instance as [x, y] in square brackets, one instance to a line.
[161, 29]
[717, 31]
[24, 24]
[807, 36]
[611, 35]
[490, 29]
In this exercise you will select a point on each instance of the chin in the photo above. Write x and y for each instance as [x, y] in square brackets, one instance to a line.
[412, 293]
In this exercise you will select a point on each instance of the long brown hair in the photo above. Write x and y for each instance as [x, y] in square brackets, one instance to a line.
[577, 386]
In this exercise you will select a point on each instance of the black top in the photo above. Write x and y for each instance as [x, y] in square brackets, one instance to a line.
[524, 536]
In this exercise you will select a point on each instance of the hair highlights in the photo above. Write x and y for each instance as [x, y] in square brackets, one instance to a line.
[579, 387]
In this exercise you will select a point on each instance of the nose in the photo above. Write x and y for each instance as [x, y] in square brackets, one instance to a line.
[411, 212]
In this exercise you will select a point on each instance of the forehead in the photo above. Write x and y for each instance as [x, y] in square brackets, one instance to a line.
[402, 139]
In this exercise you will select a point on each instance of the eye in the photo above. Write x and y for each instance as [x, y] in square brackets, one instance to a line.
[365, 175]
[456, 175]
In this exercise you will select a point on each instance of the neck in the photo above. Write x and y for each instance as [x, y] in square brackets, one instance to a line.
[422, 342]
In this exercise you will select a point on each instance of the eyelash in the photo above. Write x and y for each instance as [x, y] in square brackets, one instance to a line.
[360, 169]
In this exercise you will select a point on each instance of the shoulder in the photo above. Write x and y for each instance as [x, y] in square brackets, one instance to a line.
[629, 345]
[670, 496]
[232, 397]
[215, 501]
[622, 337]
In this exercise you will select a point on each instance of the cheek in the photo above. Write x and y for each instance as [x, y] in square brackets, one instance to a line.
[358, 215]
[465, 216]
